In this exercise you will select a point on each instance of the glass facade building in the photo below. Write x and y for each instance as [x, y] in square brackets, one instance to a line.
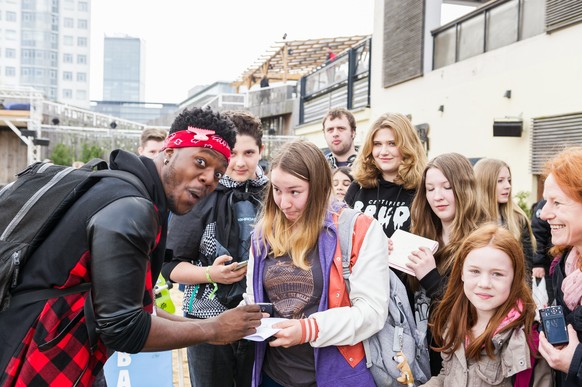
[123, 69]
[39, 40]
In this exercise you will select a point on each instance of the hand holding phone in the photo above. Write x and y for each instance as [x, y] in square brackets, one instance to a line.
[554, 325]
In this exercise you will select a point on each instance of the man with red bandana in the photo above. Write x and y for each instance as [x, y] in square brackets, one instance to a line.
[114, 237]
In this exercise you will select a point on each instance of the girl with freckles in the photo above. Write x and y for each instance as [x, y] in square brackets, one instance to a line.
[486, 332]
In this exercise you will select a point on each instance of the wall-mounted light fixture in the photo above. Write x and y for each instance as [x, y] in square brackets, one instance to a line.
[28, 133]
[507, 127]
[507, 94]
[41, 141]
[113, 125]
[442, 108]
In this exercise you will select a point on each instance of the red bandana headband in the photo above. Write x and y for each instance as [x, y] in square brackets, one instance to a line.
[200, 138]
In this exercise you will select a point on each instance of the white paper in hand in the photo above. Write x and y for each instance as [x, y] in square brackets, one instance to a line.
[405, 243]
[265, 330]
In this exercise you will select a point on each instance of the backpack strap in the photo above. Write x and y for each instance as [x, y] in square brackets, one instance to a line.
[345, 227]
[345, 230]
[123, 175]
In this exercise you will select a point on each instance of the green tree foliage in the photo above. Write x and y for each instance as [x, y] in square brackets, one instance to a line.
[62, 155]
[521, 197]
[90, 152]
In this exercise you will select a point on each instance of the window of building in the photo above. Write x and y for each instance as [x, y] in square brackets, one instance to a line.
[69, 4]
[10, 71]
[67, 75]
[498, 25]
[10, 35]
[82, 94]
[82, 41]
[68, 40]
[81, 77]
[10, 53]
[81, 59]
[10, 16]
[83, 6]
[82, 24]
[68, 22]
[67, 58]
[27, 17]
[54, 41]
[28, 4]
[67, 93]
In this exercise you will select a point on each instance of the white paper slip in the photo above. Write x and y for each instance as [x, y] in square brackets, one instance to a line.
[405, 243]
[265, 330]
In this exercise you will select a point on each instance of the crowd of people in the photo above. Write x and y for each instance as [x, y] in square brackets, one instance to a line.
[237, 237]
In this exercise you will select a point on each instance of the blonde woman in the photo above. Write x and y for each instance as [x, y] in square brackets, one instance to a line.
[494, 192]
[293, 265]
[387, 171]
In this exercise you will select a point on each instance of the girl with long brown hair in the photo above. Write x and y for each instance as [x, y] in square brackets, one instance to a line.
[296, 265]
[446, 210]
[484, 331]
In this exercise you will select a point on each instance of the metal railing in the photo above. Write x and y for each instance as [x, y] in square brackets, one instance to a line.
[494, 25]
[344, 82]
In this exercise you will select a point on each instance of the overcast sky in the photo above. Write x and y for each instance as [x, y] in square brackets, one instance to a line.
[192, 42]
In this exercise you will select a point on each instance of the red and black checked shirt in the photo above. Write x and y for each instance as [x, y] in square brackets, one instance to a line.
[56, 350]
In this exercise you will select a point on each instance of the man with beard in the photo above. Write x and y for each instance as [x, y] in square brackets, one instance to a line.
[113, 238]
[339, 129]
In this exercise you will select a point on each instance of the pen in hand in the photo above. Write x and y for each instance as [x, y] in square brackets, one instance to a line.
[248, 300]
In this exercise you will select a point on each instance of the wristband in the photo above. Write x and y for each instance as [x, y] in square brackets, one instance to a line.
[210, 281]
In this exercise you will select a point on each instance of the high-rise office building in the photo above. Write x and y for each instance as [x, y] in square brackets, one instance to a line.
[123, 69]
[45, 44]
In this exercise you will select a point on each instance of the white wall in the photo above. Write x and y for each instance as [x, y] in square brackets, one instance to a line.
[544, 74]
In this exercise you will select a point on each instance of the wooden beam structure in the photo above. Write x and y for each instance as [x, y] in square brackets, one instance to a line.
[291, 60]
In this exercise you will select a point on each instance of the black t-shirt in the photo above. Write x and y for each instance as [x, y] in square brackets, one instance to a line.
[389, 203]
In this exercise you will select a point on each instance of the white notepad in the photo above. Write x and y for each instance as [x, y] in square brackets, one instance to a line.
[405, 243]
[265, 330]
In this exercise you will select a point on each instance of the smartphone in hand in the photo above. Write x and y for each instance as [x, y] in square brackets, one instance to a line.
[554, 325]
[266, 307]
[241, 265]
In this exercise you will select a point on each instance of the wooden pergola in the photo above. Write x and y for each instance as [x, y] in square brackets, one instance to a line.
[290, 60]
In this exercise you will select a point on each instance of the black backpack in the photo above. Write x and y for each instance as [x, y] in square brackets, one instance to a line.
[30, 208]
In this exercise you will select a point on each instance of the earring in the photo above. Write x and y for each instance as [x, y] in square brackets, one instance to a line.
[166, 161]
